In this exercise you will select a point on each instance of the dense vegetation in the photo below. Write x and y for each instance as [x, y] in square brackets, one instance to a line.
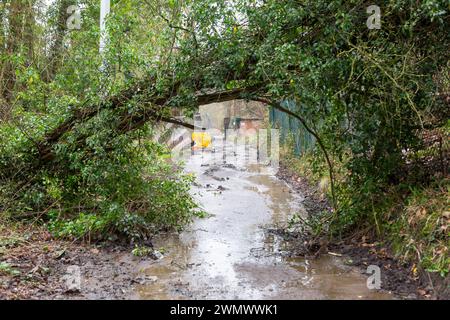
[74, 150]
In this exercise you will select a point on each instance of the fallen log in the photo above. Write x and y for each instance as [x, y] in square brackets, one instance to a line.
[156, 109]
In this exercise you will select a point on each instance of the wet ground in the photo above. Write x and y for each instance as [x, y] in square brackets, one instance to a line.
[238, 251]
[231, 255]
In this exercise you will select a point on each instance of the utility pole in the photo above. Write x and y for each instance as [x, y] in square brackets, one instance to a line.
[105, 8]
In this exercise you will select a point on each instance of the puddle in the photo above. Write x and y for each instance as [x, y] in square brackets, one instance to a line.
[229, 256]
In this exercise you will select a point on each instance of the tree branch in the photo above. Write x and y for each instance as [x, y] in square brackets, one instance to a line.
[278, 106]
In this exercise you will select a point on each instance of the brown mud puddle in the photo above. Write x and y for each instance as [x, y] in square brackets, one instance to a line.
[229, 254]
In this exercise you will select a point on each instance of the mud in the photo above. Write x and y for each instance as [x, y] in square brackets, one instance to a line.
[232, 254]
[361, 251]
[40, 268]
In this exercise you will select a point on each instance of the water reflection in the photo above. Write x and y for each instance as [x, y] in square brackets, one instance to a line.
[230, 256]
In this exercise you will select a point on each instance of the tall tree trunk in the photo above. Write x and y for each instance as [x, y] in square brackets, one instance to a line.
[19, 35]
[12, 41]
[29, 31]
[3, 33]
[57, 47]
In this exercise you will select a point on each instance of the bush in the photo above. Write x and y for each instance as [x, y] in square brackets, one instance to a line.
[117, 184]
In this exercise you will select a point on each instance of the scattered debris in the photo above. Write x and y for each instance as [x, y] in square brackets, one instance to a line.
[156, 255]
[145, 279]
[59, 254]
[334, 254]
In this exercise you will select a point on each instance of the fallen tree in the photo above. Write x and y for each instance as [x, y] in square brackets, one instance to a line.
[365, 95]
[156, 109]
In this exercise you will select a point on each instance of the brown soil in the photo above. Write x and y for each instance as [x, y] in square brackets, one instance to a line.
[38, 267]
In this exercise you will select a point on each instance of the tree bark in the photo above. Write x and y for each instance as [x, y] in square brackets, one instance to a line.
[20, 40]
[57, 48]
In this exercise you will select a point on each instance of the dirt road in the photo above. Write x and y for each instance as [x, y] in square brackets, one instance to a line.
[230, 255]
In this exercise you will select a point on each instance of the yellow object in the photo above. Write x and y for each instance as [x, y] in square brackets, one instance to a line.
[201, 140]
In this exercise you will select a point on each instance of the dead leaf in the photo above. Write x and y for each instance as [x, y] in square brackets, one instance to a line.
[59, 254]
[421, 292]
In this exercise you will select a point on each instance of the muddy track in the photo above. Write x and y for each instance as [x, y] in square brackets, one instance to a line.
[236, 252]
